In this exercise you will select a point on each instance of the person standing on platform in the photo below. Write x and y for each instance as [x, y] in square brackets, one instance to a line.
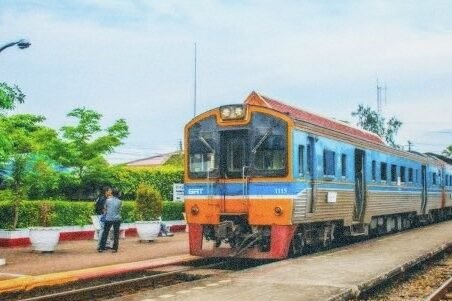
[99, 210]
[112, 219]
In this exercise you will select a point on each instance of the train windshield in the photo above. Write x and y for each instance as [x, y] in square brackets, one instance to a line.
[204, 149]
[258, 149]
[269, 145]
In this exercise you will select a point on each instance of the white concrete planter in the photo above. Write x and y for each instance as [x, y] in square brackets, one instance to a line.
[14, 234]
[148, 230]
[44, 239]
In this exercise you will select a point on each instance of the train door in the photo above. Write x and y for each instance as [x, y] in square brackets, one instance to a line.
[424, 189]
[310, 153]
[234, 164]
[360, 185]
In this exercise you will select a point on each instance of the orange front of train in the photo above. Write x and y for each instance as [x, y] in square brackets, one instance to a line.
[239, 187]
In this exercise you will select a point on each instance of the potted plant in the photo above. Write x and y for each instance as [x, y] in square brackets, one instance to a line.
[44, 238]
[148, 209]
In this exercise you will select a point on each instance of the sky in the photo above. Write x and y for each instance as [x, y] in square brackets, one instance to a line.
[135, 60]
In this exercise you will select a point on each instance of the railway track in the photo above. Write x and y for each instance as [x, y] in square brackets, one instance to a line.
[430, 280]
[132, 282]
[444, 292]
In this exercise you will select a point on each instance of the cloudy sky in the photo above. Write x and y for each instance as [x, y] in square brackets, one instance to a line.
[134, 60]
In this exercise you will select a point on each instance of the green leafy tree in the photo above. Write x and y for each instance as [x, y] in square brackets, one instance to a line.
[370, 120]
[84, 145]
[10, 96]
[448, 151]
[25, 138]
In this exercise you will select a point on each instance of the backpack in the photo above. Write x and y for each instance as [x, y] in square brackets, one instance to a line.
[100, 204]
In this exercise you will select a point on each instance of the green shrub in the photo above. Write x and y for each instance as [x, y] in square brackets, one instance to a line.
[70, 213]
[148, 203]
[173, 211]
[127, 180]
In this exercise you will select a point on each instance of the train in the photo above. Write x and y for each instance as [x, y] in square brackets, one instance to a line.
[266, 180]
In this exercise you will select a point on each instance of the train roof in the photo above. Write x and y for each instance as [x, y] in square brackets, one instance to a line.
[302, 115]
[441, 157]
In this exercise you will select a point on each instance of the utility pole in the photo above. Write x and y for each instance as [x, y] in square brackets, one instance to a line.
[380, 89]
[194, 89]
[409, 145]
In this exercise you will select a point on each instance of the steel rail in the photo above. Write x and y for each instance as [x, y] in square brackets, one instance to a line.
[441, 292]
[116, 284]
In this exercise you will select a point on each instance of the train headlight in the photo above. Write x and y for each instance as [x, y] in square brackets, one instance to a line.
[194, 210]
[232, 112]
[278, 211]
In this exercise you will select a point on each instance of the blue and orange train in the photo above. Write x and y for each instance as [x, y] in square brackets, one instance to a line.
[266, 180]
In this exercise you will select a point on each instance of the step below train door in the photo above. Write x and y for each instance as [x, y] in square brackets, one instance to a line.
[424, 189]
[360, 185]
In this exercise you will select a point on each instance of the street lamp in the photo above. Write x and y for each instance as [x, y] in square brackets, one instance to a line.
[22, 44]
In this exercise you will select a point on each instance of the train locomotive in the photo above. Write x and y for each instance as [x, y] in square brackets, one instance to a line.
[266, 180]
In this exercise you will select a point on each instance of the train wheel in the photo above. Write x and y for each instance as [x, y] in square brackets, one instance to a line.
[296, 246]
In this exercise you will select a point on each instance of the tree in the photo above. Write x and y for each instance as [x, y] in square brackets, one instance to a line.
[25, 138]
[448, 151]
[84, 145]
[371, 121]
[10, 96]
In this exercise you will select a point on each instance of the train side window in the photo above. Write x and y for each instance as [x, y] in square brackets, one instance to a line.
[402, 174]
[374, 170]
[417, 176]
[329, 163]
[434, 178]
[309, 157]
[301, 160]
[393, 173]
[410, 175]
[344, 165]
[383, 171]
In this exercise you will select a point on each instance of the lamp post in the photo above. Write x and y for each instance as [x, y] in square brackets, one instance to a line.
[22, 44]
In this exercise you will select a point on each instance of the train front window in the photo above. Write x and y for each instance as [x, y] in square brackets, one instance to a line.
[236, 154]
[258, 149]
[204, 149]
[268, 146]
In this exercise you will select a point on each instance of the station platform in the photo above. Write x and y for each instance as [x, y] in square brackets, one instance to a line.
[81, 258]
[337, 274]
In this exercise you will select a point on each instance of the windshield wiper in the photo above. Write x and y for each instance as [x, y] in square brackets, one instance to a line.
[206, 144]
[269, 131]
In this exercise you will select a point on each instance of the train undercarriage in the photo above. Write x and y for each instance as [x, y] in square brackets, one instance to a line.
[239, 239]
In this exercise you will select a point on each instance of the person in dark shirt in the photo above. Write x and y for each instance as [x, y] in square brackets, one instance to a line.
[99, 210]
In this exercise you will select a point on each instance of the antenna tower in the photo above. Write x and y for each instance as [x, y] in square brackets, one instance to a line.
[380, 91]
[194, 89]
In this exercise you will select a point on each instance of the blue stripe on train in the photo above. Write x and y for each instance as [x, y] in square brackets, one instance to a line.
[285, 188]
[232, 189]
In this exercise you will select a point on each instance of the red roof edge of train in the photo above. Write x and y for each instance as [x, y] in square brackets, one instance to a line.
[298, 114]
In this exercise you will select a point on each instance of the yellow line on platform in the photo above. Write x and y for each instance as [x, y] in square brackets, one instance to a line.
[25, 283]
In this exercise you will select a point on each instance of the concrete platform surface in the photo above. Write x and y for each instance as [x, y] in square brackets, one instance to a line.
[73, 255]
[331, 275]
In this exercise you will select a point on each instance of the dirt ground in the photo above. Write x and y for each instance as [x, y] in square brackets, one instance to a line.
[73, 255]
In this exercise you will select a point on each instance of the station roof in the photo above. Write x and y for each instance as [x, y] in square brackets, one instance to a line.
[302, 115]
[156, 160]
